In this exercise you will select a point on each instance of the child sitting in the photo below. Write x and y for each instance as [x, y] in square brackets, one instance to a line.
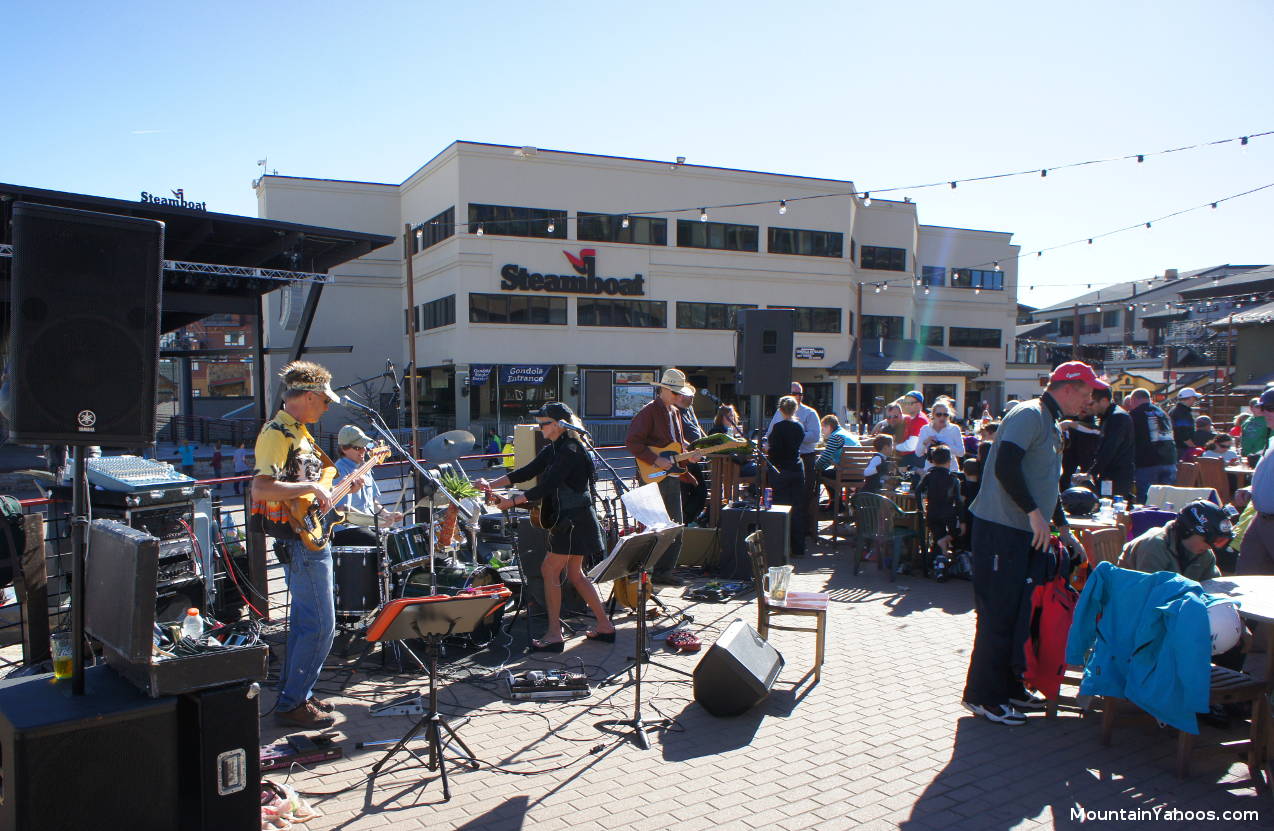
[944, 503]
[878, 464]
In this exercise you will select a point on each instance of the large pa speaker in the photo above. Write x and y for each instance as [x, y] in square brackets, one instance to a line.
[108, 759]
[732, 533]
[737, 672]
[764, 352]
[220, 739]
[83, 326]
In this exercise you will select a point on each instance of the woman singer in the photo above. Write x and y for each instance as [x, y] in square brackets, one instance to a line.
[565, 472]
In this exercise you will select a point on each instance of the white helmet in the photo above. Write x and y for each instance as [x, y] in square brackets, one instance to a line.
[1227, 628]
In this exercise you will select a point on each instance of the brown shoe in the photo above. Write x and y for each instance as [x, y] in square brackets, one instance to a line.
[320, 705]
[303, 716]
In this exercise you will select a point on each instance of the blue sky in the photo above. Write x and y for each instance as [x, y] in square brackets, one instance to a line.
[116, 98]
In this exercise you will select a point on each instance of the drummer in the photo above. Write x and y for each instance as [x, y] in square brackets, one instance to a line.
[364, 512]
[565, 473]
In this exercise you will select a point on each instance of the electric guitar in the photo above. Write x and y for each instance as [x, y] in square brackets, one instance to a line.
[671, 452]
[311, 524]
[544, 514]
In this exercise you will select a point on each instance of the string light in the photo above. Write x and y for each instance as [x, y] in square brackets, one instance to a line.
[624, 223]
[1140, 158]
[997, 265]
[1147, 224]
[926, 289]
[703, 214]
[878, 288]
[867, 199]
[884, 286]
[1214, 206]
[479, 229]
[1044, 173]
[977, 290]
[782, 206]
[552, 226]
[953, 185]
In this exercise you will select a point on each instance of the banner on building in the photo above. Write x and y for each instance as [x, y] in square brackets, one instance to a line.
[525, 373]
[479, 373]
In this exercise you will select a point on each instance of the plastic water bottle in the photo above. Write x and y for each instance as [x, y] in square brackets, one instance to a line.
[192, 624]
[1119, 505]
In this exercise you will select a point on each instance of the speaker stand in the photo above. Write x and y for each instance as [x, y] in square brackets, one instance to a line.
[79, 544]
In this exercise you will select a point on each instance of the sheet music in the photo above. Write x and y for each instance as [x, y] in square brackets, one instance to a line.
[646, 506]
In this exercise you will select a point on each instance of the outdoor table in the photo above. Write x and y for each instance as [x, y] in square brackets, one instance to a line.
[1242, 473]
[1255, 593]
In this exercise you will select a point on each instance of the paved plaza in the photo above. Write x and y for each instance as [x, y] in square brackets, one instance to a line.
[880, 742]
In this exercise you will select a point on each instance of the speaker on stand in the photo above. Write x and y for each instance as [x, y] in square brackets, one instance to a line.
[763, 353]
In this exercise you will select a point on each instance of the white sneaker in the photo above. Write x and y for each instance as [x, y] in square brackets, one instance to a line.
[999, 713]
[1032, 701]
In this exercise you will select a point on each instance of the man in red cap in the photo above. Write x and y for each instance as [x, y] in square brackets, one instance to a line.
[1017, 495]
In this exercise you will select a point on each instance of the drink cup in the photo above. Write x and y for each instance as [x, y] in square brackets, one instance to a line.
[61, 647]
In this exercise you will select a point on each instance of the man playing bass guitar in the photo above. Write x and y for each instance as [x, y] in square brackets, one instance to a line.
[290, 467]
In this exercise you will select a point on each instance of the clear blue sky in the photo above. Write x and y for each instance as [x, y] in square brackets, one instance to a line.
[116, 98]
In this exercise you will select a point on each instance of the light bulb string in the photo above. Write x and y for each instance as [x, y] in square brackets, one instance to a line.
[783, 201]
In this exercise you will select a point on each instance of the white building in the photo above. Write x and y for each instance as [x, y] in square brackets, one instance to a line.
[542, 275]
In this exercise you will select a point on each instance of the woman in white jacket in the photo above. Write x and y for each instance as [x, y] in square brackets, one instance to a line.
[940, 430]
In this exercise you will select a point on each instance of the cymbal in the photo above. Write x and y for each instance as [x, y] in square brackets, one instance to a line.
[449, 446]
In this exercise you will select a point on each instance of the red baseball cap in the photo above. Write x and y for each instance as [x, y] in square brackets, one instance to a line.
[1078, 371]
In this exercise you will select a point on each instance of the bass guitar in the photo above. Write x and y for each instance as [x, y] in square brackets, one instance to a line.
[544, 514]
[672, 452]
[311, 525]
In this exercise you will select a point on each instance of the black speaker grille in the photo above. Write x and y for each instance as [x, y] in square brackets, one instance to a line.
[72, 349]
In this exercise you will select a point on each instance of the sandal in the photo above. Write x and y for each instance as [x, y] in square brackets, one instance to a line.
[603, 637]
[546, 646]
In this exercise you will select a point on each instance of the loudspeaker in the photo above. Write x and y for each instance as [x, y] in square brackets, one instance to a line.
[532, 546]
[107, 759]
[737, 672]
[84, 326]
[737, 523]
[220, 740]
[763, 350]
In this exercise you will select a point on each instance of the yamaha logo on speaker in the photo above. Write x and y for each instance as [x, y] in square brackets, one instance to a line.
[86, 420]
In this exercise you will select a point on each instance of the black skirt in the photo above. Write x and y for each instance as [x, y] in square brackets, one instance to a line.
[576, 534]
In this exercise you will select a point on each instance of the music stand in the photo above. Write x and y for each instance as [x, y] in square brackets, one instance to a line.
[637, 554]
[432, 619]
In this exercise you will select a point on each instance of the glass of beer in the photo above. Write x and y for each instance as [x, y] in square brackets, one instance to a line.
[61, 644]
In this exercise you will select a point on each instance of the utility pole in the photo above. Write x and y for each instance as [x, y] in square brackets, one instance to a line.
[858, 352]
[411, 342]
[1075, 333]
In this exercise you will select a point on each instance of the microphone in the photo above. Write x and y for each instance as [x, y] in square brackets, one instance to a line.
[350, 402]
[711, 397]
[391, 373]
[566, 425]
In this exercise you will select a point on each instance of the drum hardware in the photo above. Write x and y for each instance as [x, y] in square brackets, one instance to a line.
[449, 446]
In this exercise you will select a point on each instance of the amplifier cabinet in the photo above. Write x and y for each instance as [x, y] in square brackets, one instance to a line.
[220, 738]
[737, 524]
[107, 759]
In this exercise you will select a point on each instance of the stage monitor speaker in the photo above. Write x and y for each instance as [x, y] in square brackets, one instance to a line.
[84, 327]
[108, 759]
[532, 546]
[220, 740]
[732, 533]
[737, 672]
[763, 352]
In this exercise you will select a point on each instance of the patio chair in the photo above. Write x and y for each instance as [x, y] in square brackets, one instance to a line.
[1187, 474]
[1212, 475]
[876, 522]
[766, 609]
[1160, 495]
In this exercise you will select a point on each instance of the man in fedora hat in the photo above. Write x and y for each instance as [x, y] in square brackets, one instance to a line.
[658, 424]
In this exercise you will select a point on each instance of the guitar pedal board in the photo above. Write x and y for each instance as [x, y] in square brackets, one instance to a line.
[552, 685]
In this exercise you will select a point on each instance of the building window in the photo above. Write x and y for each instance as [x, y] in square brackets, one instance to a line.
[928, 335]
[530, 309]
[440, 312]
[807, 243]
[691, 233]
[1066, 327]
[1090, 324]
[883, 259]
[235, 339]
[641, 230]
[709, 315]
[962, 336]
[517, 222]
[814, 318]
[434, 231]
[933, 275]
[977, 278]
[882, 326]
[1110, 319]
[644, 314]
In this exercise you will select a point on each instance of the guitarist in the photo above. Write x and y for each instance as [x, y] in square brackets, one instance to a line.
[289, 465]
[363, 508]
[659, 424]
[564, 473]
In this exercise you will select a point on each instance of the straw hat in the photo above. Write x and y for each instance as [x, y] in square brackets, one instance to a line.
[675, 380]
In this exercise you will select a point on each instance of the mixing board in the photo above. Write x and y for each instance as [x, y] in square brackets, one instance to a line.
[127, 474]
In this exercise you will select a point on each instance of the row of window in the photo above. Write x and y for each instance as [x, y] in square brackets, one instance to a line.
[1091, 323]
[434, 231]
[891, 328]
[963, 278]
[431, 315]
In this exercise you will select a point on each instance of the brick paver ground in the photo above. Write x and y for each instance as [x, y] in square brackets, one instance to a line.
[881, 742]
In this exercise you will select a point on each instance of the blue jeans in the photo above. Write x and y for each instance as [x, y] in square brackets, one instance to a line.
[1154, 475]
[311, 623]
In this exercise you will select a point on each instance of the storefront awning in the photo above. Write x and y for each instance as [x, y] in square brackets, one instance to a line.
[899, 358]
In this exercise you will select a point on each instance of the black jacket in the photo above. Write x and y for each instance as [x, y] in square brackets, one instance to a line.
[1116, 453]
[1152, 433]
[1182, 418]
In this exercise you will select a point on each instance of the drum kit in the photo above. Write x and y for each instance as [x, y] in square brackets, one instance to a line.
[412, 561]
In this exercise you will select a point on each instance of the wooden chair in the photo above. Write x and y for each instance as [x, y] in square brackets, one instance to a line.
[1103, 545]
[875, 524]
[1187, 474]
[1227, 686]
[849, 477]
[765, 609]
[1212, 474]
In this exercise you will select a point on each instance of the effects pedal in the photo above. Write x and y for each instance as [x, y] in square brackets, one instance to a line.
[301, 749]
[555, 685]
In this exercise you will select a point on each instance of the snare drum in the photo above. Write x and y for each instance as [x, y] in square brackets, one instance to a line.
[406, 548]
[354, 579]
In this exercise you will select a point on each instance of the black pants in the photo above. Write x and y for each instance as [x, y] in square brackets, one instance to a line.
[694, 498]
[1002, 561]
[788, 485]
[810, 488]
